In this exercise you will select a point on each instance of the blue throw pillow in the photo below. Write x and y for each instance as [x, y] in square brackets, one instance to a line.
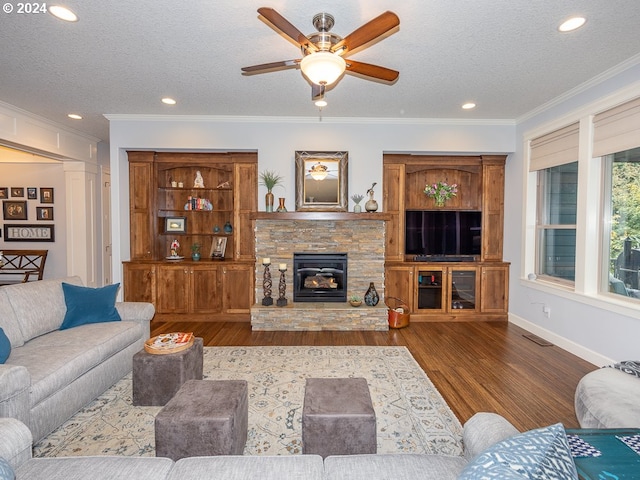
[538, 454]
[6, 472]
[89, 305]
[5, 348]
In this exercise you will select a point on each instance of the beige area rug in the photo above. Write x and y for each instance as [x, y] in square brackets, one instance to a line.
[411, 415]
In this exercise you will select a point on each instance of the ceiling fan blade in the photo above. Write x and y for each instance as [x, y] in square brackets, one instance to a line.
[317, 92]
[368, 32]
[287, 28]
[374, 71]
[265, 67]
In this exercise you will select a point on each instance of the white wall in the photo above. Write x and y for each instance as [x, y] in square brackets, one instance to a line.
[277, 139]
[592, 329]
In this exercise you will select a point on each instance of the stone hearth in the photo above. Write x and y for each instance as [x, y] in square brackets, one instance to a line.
[363, 240]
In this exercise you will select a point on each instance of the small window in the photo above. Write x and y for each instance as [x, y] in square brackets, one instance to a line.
[556, 222]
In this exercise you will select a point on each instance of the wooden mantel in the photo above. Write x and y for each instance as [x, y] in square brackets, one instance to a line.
[320, 216]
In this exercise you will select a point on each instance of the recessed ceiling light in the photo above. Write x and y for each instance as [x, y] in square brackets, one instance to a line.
[469, 106]
[63, 13]
[168, 101]
[75, 116]
[572, 24]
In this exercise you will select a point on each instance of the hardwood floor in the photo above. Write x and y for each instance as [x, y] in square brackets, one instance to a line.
[481, 366]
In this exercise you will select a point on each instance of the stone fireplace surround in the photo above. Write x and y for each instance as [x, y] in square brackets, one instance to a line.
[279, 235]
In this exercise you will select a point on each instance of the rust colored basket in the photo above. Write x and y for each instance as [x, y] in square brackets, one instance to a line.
[397, 319]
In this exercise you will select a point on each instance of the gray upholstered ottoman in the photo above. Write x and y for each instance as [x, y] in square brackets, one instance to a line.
[157, 378]
[338, 417]
[206, 417]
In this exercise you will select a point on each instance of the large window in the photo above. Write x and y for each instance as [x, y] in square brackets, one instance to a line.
[556, 222]
[621, 243]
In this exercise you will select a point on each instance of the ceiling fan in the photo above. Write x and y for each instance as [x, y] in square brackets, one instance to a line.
[324, 53]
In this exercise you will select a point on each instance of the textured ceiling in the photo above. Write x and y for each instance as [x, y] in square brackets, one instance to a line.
[121, 57]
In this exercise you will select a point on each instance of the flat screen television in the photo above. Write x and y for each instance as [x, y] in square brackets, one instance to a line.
[443, 232]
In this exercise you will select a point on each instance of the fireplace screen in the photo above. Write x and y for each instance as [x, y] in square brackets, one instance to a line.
[319, 277]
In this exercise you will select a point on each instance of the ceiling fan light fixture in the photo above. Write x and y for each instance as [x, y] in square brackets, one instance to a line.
[323, 68]
[319, 172]
[321, 103]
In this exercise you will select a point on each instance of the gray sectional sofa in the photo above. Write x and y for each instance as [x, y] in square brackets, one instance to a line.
[50, 373]
[480, 432]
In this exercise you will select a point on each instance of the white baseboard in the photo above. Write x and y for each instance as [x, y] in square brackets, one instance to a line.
[568, 345]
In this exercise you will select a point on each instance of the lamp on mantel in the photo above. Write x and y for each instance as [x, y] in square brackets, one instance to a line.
[323, 68]
[319, 172]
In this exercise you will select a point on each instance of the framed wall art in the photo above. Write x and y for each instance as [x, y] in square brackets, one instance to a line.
[175, 225]
[29, 233]
[32, 193]
[14, 210]
[321, 181]
[44, 213]
[17, 192]
[218, 247]
[46, 195]
[4, 192]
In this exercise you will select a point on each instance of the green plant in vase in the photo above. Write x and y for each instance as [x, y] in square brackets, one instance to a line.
[357, 198]
[195, 252]
[269, 179]
[355, 300]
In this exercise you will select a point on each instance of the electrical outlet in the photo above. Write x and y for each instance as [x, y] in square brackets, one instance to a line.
[546, 310]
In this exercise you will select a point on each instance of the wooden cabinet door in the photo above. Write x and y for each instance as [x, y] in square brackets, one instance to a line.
[393, 178]
[245, 203]
[205, 289]
[173, 288]
[463, 290]
[399, 283]
[494, 292]
[492, 211]
[238, 288]
[139, 282]
[141, 212]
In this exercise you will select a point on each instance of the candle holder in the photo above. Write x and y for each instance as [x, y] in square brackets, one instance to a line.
[266, 286]
[282, 286]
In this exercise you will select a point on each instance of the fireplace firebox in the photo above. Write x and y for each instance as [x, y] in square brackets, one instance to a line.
[319, 277]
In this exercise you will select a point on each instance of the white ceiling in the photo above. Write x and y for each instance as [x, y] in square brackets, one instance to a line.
[121, 57]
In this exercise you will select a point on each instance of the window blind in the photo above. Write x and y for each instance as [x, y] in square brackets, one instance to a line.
[617, 129]
[555, 148]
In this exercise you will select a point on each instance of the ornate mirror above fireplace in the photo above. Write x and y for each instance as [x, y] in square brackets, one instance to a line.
[321, 181]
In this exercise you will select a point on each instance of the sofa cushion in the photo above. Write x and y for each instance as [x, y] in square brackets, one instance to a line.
[8, 321]
[238, 467]
[542, 453]
[483, 430]
[89, 305]
[95, 468]
[5, 346]
[39, 306]
[71, 353]
[398, 467]
[6, 472]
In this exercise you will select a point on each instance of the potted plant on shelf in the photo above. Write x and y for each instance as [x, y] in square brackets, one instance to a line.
[355, 300]
[195, 252]
[441, 192]
[357, 198]
[269, 179]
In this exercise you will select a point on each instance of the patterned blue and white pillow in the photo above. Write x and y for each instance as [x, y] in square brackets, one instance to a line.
[632, 367]
[6, 472]
[541, 454]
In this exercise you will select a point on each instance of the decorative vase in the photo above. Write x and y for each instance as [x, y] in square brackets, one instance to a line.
[355, 303]
[439, 202]
[281, 208]
[195, 256]
[227, 228]
[357, 208]
[371, 298]
[371, 205]
[268, 200]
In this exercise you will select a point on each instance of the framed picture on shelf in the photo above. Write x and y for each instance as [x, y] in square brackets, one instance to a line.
[29, 233]
[17, 192]
[14, 210]
[44, 213]
[4, 192]
[218, 247]
[32, 193]
[175, 225]
[46, 195]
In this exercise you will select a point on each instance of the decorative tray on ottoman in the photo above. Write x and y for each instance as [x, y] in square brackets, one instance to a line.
[169, 343]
